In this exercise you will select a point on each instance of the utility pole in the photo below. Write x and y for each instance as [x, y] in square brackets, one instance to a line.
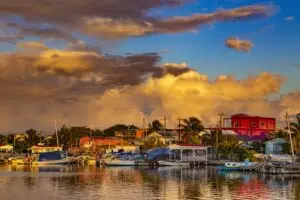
[144, 127]
[165, 126]
[218, 132]
[179, 130]
[290, 135]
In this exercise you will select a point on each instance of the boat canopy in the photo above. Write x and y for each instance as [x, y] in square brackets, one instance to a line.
[57, 155]
[158, 152]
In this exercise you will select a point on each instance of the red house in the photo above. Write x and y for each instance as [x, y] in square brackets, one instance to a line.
[250, 126]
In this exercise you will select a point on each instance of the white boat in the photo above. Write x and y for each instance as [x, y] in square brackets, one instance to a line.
[64, 161]
[114, 160]
[52, 158]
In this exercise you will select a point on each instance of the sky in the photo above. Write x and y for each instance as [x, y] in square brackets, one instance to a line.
[98, 63]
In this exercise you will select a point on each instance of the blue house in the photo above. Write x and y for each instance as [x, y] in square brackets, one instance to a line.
[275, 146]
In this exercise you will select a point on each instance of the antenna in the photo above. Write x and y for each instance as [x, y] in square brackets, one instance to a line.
[57, 142]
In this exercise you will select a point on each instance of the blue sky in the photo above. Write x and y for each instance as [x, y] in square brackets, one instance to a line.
[276, 42]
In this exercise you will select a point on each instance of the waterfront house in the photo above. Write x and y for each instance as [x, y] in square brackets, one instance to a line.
[42, 149]
[6, 148]
[276, 146]
[21, 137]
[250, 127]
[87, 142]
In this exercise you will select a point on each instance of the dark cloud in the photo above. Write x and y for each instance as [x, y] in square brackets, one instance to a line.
[114, 19]
[43, 33]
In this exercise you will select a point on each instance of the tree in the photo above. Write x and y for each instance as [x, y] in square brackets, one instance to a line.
[2, 139]
[32, 137]
[192, 127]
[111, 130]
[155, 125]
[64, 137]
[231, 148]
[295, 128]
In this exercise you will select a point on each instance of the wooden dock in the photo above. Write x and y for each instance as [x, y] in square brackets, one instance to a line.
[284, 169]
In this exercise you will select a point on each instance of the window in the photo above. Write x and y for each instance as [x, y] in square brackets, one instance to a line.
[236, 125]
[253, 124]
[262, 124]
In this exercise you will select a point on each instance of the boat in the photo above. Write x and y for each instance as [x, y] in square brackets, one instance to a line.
[53, 158]
[236, 166]
[123, 159]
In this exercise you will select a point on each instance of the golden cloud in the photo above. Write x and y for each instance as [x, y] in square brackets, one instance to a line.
[32, 46]
[66, 61]
[239, 45]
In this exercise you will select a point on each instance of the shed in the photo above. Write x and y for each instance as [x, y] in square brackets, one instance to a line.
[275, 146]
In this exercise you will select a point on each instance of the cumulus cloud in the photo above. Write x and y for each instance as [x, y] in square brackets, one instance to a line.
[239, 45]
[126, 87]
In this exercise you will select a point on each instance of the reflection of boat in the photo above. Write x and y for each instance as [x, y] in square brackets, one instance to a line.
[171, 163]
[53, 158]
[17, 161]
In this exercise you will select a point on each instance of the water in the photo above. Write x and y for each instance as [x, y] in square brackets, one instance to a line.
[70, 183]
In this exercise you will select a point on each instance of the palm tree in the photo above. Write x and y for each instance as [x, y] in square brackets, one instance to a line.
[32, 137]
[156, 125]
[65, 137]
[191, 126]
[295, 128]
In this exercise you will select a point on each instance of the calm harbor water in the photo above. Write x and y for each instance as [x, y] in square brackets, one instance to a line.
[68, 183]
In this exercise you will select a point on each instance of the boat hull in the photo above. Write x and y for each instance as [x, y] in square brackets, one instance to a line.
[54, 162]
[170, 163]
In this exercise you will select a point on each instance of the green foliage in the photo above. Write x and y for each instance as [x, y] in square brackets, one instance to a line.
[152, 143]
[155, 125]
[191, 126]
[111, 130]
[231, 149]
[295, 128]
[10, 138]
[120, 128]
[32, 137]
[194, 139]
[2, 139]
[21, 147]
[258, 146]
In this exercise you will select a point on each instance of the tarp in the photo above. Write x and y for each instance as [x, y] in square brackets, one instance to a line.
[158, 152]
[57, 155]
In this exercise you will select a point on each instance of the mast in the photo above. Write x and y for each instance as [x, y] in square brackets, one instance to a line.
[57, 142]
[290, 135]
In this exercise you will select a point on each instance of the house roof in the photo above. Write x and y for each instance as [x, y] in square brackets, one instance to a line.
[277, 141]
[188, 146]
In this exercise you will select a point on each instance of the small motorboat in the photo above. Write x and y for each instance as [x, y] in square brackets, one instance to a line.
[236, 166]
[53, 158]
[123, 159]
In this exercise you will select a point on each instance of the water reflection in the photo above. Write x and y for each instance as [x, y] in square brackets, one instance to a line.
[69, 182]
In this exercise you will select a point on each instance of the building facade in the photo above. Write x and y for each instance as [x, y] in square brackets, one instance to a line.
[250, 126]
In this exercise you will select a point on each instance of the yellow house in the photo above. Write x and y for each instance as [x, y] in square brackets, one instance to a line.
[21, 137]
[43, 149]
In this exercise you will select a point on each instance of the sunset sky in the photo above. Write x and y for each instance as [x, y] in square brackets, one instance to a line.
[101, 62]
